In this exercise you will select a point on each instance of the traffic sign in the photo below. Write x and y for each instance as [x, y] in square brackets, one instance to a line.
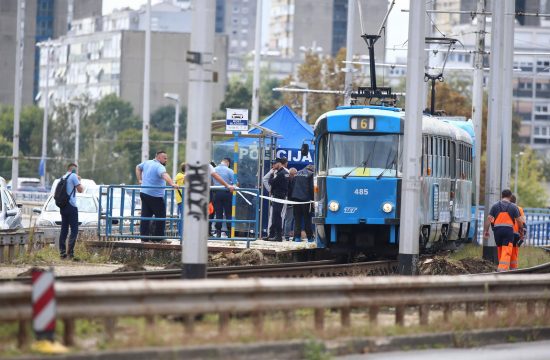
[236, 120]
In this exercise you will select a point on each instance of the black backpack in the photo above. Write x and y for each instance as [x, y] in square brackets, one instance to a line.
[60, 196]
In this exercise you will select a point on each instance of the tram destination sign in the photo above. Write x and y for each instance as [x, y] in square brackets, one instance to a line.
[236, 120]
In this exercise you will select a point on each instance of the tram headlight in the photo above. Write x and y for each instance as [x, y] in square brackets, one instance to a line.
[387, 207]
[333, 205]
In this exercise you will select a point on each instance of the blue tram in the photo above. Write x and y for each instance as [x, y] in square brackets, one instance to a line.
[358, 181]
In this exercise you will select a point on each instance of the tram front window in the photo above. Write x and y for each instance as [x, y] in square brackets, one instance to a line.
[364, 155]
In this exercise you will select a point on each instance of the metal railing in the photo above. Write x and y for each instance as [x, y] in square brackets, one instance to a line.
[119, 214]
[31, 196]
[538, 226]
[13, 242]
[259, 297]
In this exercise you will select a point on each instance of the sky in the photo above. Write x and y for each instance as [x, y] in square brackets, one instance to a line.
[396, 30]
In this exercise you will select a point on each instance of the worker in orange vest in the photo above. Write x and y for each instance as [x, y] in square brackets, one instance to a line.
[502, 217]
[519, 234]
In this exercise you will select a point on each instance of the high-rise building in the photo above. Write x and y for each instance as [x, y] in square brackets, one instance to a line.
[104, 55]
[297, 26]
[44, 19]
[446, 21]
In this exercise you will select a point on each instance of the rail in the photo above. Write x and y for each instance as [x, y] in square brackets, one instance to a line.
[260, 297]
[119, 215]
[322, 268]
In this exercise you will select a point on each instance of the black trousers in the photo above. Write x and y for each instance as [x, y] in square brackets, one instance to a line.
[302, 213]
[222, 204]
[152, 205]
[69, 218]
[276, 229]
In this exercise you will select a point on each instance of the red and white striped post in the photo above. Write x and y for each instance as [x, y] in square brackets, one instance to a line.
[43, 305]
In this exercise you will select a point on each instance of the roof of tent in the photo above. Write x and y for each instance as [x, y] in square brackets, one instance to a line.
[290, 126]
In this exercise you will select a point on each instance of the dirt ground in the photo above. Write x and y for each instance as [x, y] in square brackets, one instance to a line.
[441, 265]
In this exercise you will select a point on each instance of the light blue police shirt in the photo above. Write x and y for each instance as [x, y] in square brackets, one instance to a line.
[225, 172]
[72, 183]
[152, 171]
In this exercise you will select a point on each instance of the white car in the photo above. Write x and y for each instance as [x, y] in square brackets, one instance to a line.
[49, 219]
[10, 211]
[118, 203]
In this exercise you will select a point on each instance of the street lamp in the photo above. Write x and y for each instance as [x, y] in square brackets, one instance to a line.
[516, 173]
[176, 98]
[48, 45]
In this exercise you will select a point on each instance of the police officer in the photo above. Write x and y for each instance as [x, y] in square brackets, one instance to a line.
[302, 191]
[279, 190]
[502, 217]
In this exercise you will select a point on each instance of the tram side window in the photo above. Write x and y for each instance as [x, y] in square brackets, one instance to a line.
[322, 162]
[423, 161]
[447, 166]
[436, 157]
[453, 160]
[430, 156]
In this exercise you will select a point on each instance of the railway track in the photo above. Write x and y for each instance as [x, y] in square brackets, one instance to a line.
[324, 268]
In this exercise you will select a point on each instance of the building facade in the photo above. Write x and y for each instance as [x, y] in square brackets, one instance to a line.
[298, 26]
[112, 62]
[44, 19]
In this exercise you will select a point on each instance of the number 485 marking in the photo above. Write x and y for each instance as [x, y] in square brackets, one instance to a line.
[361, 191]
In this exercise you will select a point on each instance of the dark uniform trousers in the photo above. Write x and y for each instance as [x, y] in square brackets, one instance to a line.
[152, 205]
[302, 213]
[276, 229]
[222, 204]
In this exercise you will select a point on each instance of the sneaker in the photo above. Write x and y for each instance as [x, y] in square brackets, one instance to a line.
[74, 258]
[63, 257]
[223, 235]
[311, 240]
[297, 239]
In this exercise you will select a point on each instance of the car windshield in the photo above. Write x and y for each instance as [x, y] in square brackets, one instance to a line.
[364, 155]
[84, 204]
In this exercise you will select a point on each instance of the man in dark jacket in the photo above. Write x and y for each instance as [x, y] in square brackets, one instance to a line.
[302, 191]
[279, 190]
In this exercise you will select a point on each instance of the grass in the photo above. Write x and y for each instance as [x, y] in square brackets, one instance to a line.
[528, 255]
[49, 255]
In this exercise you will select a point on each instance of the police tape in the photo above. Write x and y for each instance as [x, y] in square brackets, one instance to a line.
[270, 198]
[277, 200]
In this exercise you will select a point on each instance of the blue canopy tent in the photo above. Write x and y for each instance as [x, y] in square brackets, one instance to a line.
[292, 131]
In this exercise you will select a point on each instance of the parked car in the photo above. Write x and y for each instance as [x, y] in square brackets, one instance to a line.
[49, 219]
[10, 212]
[120, 207]
[28, 184]
[86, 183]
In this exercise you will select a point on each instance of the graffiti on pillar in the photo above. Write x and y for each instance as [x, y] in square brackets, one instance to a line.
[196, 182]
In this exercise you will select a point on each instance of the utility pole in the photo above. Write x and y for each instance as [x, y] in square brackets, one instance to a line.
[77, 133]
[477, 97]
[506, 107]
[428, 31]
[257, 55]
[46, 46]
[410, 195]
[198, 145]
[348, 80]
[146, 86]
[494, 126]
[18, 91]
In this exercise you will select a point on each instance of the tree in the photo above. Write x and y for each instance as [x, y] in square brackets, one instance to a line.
[531, 191]
[163, 120]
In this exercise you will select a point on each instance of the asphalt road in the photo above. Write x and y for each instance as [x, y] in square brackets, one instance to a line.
[519, 351]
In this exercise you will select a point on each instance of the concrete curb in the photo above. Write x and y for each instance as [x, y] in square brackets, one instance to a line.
[297, 349]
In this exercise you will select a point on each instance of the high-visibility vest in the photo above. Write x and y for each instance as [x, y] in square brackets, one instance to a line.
[503, 217]
[516, 225]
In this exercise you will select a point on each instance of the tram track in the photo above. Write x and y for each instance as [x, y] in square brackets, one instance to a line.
[324, 268]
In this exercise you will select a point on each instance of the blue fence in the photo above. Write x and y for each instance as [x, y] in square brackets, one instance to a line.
[538, 226]
[119, 214]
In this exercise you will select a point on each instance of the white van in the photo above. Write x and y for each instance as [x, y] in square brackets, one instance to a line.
[86, 183]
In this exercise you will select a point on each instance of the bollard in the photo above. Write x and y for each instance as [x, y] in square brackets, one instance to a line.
[43, 305]
[43, 313]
